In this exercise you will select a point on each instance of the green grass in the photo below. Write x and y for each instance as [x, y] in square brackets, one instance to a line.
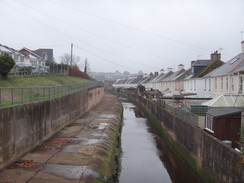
[35, 81]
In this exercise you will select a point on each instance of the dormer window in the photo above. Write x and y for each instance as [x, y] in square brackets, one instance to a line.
[233, 61]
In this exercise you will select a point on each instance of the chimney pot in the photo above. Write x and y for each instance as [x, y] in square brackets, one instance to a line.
[169, 69]
[181, 66]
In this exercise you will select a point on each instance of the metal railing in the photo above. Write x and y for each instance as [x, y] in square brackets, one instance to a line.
[13, 96]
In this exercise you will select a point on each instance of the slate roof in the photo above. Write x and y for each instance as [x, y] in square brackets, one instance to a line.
[165, 76]
[49, 53]
[201, 62]
[210, 67]
[229, 67]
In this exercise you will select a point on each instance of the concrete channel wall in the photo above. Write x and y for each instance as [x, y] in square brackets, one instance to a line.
[24, 127]
[214, 161]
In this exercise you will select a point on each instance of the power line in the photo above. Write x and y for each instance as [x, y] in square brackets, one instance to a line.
[129, 26]
[104, 58]
[74, 37]
[96, 35]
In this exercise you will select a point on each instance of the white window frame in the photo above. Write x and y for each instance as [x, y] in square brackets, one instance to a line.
[209, 123]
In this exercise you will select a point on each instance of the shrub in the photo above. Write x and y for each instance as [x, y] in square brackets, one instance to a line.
[6, 64]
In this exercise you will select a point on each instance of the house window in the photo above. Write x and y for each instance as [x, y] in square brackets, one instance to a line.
[209, 84]
[222, 83]
[209, 123]
[195, 85]
[205, 87]
[232, 84]
[16, 58]
[215, 83]
[21, 59]
[241, 81]
[227, 83]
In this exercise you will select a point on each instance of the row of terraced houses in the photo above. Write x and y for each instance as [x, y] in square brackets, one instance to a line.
[210, 78]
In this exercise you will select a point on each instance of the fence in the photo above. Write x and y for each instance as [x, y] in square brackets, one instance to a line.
[12, 96]
[187, 116]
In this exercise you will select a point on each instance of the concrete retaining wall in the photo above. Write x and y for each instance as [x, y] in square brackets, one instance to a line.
[24, 127]
[214, 160]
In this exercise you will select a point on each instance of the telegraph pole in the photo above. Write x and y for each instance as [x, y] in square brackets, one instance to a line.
[71, 54]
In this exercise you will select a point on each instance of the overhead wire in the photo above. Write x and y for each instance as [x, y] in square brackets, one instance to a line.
[128, 26]
[103, 58]
[101, 37]
[73, 37]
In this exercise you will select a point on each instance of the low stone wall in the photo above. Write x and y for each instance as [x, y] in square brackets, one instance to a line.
[213, 160]
[24, 127]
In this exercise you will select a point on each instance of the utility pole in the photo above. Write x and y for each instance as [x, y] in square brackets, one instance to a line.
[71, 54]
[71, 58]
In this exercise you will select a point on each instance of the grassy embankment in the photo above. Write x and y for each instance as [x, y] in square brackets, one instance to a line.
[37, 81]
[29, 89]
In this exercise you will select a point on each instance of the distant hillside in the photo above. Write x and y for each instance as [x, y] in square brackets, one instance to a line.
[35, 81]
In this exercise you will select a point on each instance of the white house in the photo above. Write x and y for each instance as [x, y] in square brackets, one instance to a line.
[34, 59]
[225, 84]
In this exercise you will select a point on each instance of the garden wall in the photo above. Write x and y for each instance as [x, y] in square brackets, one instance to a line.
[215, 161]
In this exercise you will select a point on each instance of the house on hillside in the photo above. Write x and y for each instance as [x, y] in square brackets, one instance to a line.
[19, 58]
[225, 84]
[195, 83]
[45, 54]
[34, 59]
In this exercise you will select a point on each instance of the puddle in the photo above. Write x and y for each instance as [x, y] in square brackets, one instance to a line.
[91, 142]
[66, 171]
[102, 126]
[108, 116]
[90, 173]
[71, 148]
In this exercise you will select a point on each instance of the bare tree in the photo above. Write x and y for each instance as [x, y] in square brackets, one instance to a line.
[86, 67]
[66, 59]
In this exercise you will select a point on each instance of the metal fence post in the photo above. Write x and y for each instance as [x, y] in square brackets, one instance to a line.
[22, 89]
[30, 95]
[12, 96]
[0, 96]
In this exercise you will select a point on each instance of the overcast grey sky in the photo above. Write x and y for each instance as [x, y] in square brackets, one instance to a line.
[130, 35]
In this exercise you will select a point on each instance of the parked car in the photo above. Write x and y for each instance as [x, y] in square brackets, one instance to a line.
[39, 70]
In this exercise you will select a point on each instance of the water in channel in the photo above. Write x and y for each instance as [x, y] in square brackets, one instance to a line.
[146, 158]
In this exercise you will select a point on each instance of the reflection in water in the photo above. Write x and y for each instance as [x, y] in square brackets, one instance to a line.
[145, 157]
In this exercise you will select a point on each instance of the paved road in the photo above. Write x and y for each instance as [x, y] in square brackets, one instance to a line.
[80, 153]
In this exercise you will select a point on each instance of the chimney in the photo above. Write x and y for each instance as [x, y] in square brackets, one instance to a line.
[155, 73]
[215, 56]
[169, 69]
[161, 71]
[192, 63]
[242, 47]
[181, 66]
[151, 75]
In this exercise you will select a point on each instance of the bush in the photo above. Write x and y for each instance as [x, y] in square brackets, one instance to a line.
[6, 64]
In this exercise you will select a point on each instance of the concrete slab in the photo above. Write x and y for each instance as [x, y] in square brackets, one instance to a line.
[15, 176]
[71, 172]
[52, 181]
[38, 157]
[71, 129]
[69, 159]
[87, 150]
